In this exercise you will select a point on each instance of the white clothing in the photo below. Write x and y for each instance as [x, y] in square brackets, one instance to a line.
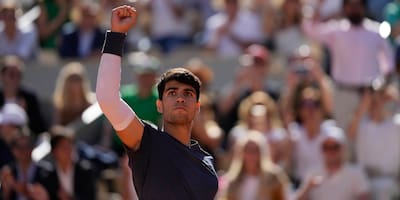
[378, 145]
[24, 45]
[165, 23]
[66, 179]
[378, 149]
[306, 151]
[249, 188]
[246, 27]
[346, 184]
[359, 54]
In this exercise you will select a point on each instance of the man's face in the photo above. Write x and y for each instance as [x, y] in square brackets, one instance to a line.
[11, 77]
[332, 152]
[354, 11]
[179, 104]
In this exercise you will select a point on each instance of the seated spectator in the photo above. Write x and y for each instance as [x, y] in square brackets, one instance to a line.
[53, 14]
[72, 94]
[20, 178]
[143, 92]
[83, 37]
[13, 120]
[335, 178]
[12, 91]
[288, 35]
[16, 38]
[68, 177]
[169, 24]
[252, 174]
[259, 112]
[224, 31]
[376, 135]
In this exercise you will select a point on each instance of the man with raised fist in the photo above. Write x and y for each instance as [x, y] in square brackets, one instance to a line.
[165, 162]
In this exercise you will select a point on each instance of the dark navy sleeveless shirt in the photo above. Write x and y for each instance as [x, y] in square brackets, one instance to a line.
[164, 168]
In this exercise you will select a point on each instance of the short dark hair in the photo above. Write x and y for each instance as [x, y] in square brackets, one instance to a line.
[363, 3]
[181, 75]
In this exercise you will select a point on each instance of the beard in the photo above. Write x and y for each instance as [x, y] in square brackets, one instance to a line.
[355, 19]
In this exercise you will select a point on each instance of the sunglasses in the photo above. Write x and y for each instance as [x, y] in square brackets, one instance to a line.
[310, 104]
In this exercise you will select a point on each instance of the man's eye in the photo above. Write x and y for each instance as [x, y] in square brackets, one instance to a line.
[188, 94]
[171, 93]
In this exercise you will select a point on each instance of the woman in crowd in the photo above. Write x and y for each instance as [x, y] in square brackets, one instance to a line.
[252, 174]
[72, 94]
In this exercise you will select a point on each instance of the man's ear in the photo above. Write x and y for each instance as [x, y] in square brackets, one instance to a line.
[198, 106]
[159, 106]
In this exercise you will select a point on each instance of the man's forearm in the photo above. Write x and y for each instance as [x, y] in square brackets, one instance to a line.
[108, 83]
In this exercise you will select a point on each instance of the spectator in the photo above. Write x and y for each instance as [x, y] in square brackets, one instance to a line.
[170, 26]
[352, 68]
[68, 177]
[72, 94]
[13, 120]
[335, 178]
[376, 7]
[375, 133]
[143, 94]
[224, 31]
[20, 178]
[306, 132]
[250, 77]
[252, 174]
[260, 112]
[83, 37]
[304, 70]
[16, 38]
[289, 36]
[53, 14]
[12, 91]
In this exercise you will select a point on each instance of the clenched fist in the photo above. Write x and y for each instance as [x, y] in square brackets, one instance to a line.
[123, 18]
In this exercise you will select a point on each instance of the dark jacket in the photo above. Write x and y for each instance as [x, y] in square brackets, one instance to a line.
[70, 38]
[84, 180]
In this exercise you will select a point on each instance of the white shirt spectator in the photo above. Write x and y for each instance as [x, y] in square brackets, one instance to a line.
[24, 45]
[378, 149]
[165, 23]
[345, 184]
[306, 151]
[245, 20]
[359, 54]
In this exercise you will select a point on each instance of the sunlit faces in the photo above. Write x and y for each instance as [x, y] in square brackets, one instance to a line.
[179, 104]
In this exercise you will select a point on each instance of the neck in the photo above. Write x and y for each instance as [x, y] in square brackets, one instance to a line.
[11, 32]
[312, 128]
[333, 167]
[25, 165]
[9, 92]
[180, 132]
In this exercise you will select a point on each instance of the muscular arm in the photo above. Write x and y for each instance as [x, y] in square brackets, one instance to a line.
[129, 128]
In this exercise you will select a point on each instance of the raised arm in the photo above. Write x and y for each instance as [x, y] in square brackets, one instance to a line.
[128, 127]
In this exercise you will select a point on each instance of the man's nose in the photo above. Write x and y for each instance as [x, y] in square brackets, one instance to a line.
[180, 99]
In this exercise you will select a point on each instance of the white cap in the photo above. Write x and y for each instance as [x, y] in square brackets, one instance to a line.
[12, 113]
[335, 133]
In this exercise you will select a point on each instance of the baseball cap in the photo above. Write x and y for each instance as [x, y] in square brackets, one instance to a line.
[12, 113]
[331, 131]
[143, 63]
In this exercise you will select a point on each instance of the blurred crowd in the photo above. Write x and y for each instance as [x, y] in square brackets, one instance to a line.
[329, 130]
